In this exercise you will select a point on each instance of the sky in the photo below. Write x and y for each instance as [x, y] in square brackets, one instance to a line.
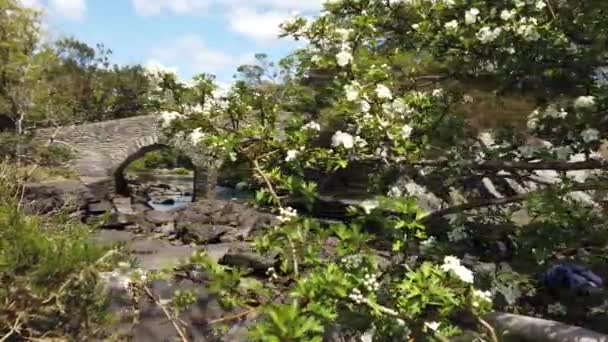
[190, 36]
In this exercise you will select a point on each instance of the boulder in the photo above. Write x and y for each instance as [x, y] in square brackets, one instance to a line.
[99, 207]
[50, 196]
[122, 205]
[248, 259]
[159, 217]
[202, 234]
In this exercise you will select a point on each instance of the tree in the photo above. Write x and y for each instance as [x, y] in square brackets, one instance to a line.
[403, 74]
[19, 37]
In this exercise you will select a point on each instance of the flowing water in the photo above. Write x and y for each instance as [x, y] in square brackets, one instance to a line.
[185, 184]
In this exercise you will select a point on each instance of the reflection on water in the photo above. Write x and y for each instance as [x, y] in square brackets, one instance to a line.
[182, 189]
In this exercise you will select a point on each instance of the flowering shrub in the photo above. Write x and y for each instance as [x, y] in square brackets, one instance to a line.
[400, 73]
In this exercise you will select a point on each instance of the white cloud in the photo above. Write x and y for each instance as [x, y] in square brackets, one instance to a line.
[156, 7]
[255, 19]
[261, 27]
[68, 9]
[193, 56]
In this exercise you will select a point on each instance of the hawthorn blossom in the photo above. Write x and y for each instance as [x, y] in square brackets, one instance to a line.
[352, 91]
[167, 117]
[433, 326]
[540, 5]
[291, 155]
[590, 135]
[470, 17]
[344, 58]
[287, 214]
[383, 92]
[451, 25]
[406, 131]
[197, 136]
[313, 126]
[487, 35]
[485, 296]
[364, 106]
[369, 205]
[507, 15]
[344, 139]
[584, 102]
[452, 264]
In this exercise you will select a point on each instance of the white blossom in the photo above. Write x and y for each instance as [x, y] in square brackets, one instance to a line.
[168, 117]
[196, 136]
[369, 205]
[313, 126]
[507, 15]
[553, 112]
[540, 4]
[439, 93]
[383, 92]
[356, 296]
[395, 192]
[590, 134]
[451, 25]
[344, 58]
[344, 139]
[343, 33]
[487, 35]
[291, 155]
[433, 326]
[406, 131]
[287, 214]
[470, 17]
[584, 102]
[487, 139]
[364, 106]
[352, 91]
[452, 264]
[370, 283]
[485, 296]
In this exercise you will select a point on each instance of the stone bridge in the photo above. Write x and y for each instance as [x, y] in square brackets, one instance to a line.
[104, 149]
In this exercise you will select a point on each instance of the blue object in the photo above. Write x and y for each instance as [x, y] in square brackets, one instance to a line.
[572, 277]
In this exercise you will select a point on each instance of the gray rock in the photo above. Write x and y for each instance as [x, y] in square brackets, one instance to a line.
[247, 259]
[49, 196]
[155, 254]
[202, 234]
[122, 205]
[100, 207]
[159, 217]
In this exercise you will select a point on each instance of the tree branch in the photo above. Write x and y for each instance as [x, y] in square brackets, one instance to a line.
[502, 201]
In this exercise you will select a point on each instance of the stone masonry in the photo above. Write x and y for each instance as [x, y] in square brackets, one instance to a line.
[104, 149]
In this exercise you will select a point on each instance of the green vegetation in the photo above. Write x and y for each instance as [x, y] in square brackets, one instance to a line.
[162, 159]
[49, 270]
[403, 86]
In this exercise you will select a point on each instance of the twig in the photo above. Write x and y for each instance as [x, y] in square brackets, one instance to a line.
[167, 314]
[233, 317]
[294, 255]
[15, 328]
[489, 328]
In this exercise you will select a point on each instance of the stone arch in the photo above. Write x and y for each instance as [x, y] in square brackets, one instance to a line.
[204, 173]
[120, 183]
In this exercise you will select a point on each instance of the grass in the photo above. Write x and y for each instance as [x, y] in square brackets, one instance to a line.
[49, 271]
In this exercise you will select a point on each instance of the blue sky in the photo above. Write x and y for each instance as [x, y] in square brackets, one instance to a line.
[192, 36]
